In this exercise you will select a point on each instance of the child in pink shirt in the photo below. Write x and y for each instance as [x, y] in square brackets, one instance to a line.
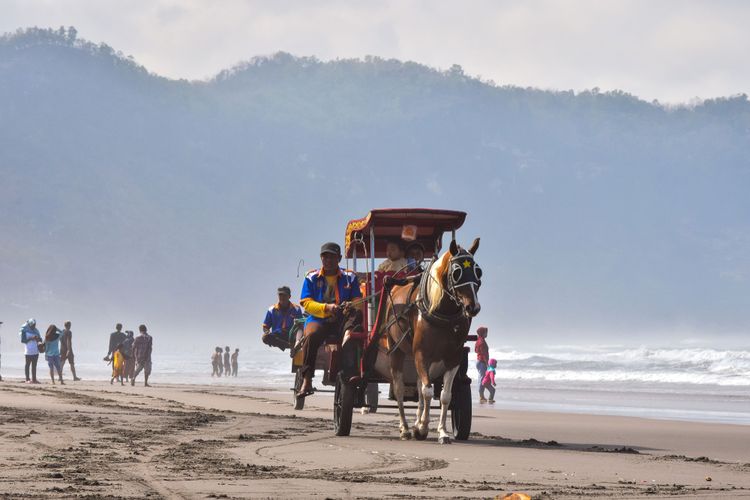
[488, 381]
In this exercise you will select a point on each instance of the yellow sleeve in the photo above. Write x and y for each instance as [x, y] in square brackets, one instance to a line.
[317, 309]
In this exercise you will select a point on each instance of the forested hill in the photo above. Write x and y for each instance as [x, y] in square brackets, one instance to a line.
[127, 195]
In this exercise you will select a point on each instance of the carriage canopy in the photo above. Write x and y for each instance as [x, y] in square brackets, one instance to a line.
[422, 225]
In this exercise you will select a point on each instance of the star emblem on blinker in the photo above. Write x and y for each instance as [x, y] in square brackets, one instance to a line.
[467, 263]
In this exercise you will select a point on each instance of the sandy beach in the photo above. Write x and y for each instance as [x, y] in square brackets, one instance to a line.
[90, 439]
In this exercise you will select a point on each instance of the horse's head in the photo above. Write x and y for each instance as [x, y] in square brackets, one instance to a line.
[464, 277]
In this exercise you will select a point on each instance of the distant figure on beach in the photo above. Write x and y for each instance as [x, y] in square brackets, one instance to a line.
[227, 365]
[142, 347]
[30, 338]
[115, 338]
[118, 365]
[52, 352]
[66, 350]
[235, 365]
[280, 319]
[127, 352]
[488, 382]
[483, 356]
[216, 362]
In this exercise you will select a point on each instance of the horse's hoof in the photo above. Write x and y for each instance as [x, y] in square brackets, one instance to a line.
[444, 440]
[406, 436]
[418, 435]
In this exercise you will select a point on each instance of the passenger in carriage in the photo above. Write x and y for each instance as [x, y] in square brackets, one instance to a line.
[327, 294]
[395, 262]
[279, 320]
[415, 257]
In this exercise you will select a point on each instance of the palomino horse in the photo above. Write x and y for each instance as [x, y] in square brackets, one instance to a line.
[432, 322]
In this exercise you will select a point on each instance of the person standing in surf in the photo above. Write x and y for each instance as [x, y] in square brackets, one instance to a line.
[235, 364]
[483, 357]
[227, 364]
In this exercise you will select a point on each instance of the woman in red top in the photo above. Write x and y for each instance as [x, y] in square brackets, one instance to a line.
[483, 357]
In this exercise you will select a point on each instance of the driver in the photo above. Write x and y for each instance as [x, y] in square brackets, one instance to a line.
[326, 296]
[279, 320]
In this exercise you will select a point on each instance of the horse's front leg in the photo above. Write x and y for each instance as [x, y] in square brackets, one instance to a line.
[397, 375]
[444, 437]
[426, 391]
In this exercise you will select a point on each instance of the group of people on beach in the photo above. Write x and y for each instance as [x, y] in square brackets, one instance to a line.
[129, 355]
[224, 363]
[56, 345]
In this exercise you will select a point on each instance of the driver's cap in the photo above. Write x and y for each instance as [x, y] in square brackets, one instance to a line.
[332, 248]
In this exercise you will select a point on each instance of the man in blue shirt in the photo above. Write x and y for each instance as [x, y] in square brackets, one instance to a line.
[327, 294]
[280, 319]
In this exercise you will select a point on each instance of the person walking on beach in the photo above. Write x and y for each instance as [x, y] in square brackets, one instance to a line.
[488, 382]
[30, 338]
[216, 362]
[219, 361]
[127, 352]
[227, 365]
[115, 338]
[66, 350]
[52, 352]
[483, 356]
[142, 347]
[235, 365]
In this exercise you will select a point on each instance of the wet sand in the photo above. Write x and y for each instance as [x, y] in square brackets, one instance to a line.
[90, 439]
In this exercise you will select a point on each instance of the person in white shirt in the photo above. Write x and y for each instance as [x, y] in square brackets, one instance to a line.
[30, 338]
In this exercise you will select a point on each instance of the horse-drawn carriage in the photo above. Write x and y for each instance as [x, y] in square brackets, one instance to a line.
[419, 311]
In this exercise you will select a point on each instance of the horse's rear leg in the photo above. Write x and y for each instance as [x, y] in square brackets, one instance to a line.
[444, 437]
[397, 375]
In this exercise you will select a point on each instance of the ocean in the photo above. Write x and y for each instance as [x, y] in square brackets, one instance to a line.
[694, 384]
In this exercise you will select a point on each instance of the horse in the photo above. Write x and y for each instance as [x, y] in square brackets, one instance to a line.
[437, 316]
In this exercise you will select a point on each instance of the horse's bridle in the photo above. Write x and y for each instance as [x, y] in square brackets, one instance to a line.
[458, 265]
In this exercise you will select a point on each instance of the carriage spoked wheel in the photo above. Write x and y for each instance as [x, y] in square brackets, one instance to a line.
[343, 406]
[461, 411]
[299, 403]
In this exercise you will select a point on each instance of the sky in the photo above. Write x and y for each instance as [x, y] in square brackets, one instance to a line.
[673, 51]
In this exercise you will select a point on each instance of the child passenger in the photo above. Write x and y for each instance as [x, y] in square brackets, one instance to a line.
[488, 382]
[394, 250]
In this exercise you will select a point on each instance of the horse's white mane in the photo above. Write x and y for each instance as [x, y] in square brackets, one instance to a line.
[435, 284]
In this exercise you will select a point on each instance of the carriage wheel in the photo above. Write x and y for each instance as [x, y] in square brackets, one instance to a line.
[371, 396]
[299, 403]
[343, 406]
[461, 411]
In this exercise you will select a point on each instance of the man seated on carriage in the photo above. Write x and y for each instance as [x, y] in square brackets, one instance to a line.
[279, 320]
[327, 294]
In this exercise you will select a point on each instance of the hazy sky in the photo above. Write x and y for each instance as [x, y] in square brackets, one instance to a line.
[670, 50]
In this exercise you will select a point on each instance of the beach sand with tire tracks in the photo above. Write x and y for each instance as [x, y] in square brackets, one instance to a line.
[191, 441]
